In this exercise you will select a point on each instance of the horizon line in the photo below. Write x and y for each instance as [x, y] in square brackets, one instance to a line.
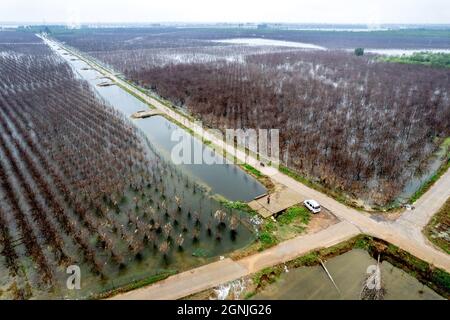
[228, 22]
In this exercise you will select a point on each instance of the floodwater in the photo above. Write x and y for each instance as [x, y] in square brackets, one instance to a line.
[175, 200]
[223, 177]
[417, 180]
[270, 42]
[349, 273]
[206, 249]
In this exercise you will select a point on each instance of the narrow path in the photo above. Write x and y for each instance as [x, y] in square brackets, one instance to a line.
[406, 232]
[189, 282]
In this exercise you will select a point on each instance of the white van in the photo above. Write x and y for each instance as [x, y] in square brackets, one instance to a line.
[312, 205]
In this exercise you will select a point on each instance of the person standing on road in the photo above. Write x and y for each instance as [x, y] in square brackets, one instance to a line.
[268, 199]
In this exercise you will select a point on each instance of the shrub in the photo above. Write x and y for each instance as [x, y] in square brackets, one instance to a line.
[359, 52]
[295, 213]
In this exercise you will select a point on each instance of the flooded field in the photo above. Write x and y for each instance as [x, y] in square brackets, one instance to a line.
[190, 228]
[349, 272]
[270, 42]
[416, 181]
[84, 188]
[181, 228]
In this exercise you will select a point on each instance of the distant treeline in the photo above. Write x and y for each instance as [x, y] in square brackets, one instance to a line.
[151, 37]
[439, 59]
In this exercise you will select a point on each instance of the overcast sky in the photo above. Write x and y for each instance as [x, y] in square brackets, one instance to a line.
[301, 11]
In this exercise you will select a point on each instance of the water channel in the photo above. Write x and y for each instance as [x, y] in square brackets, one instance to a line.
[223, 177]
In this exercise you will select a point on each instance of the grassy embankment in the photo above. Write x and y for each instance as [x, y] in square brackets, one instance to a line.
[438, 229]
[258, 175]
[289, 224]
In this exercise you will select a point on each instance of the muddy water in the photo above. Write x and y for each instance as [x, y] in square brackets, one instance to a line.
[349, 273]
[416, 181]
[225, 178]
[205, 250]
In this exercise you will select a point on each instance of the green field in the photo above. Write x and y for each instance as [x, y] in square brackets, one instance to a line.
[438, 60]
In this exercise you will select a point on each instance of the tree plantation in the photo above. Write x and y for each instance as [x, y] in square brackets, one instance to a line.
[224, 151]
[354, 124]
[80, 185]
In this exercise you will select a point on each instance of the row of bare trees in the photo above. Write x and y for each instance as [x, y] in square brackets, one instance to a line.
[351, 123]
[81, 185]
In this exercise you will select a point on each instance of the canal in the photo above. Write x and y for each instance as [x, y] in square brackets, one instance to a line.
[223, 177]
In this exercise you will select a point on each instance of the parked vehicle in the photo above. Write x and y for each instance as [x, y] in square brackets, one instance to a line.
[312, 205]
